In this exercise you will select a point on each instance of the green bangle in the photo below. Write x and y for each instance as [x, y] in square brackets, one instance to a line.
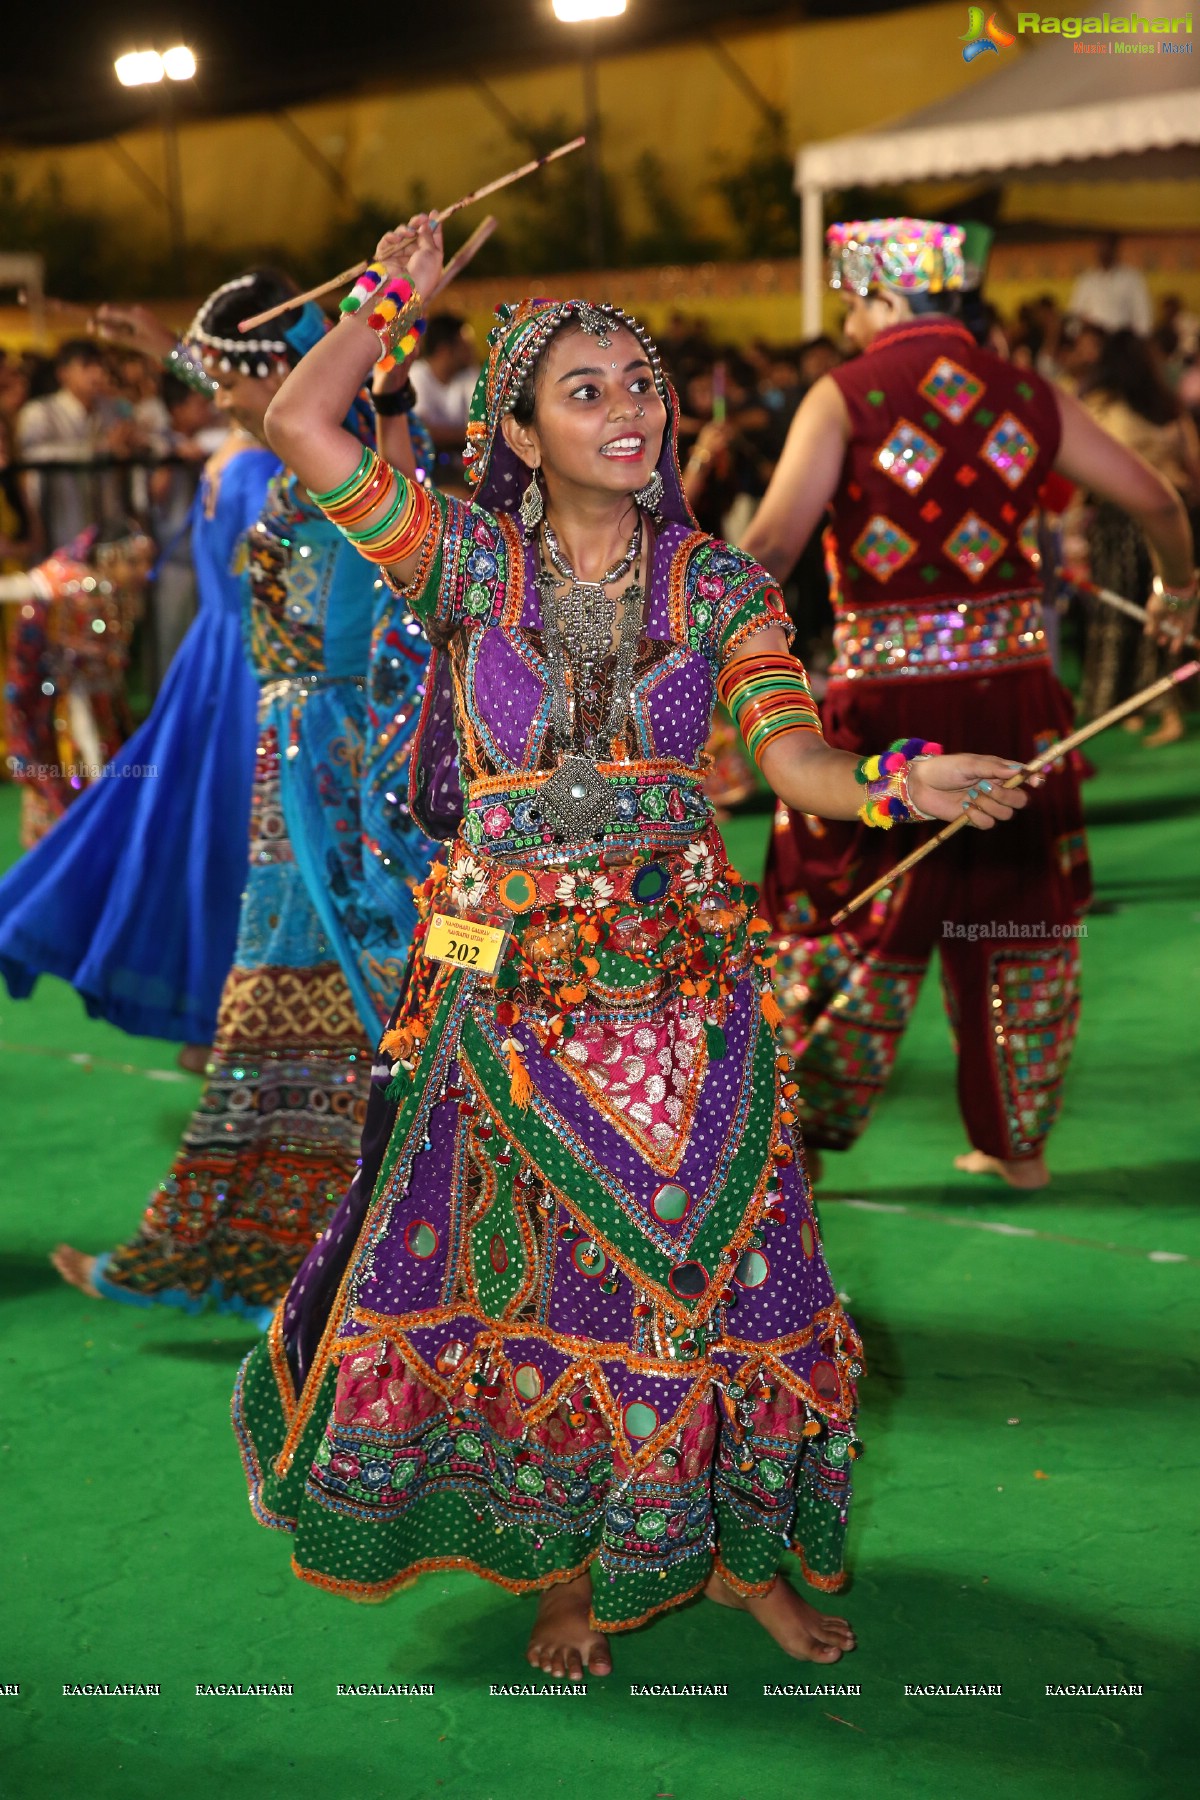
[373, 531]
[340, 492]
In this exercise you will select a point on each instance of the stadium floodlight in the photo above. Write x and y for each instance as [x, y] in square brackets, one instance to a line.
[577, 12]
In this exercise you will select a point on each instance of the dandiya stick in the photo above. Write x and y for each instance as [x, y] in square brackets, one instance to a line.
[1127, 606]
[465, 254]
[1043, 761]
[447, 212]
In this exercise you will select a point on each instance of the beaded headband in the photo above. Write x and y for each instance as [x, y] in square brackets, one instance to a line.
[514, 344]
[914, 256]
[249, 356]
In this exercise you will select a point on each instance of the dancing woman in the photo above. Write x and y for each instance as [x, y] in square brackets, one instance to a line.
[326, 913]
[574, 1331]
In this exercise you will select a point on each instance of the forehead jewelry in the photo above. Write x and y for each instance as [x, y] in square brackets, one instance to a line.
[593, 323]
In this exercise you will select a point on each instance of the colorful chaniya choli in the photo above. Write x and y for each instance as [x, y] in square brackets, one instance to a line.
[67, 709]
[324, 930]
[584, 1317]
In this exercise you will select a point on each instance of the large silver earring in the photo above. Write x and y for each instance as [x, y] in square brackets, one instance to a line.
[532, 507]
[649, 498]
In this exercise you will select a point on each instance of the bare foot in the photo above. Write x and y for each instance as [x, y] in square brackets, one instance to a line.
[562, 1642]
[797, 1627]
[194, 1058]
[1028, 1173]
[1169, 732]
[76, 1267]
[1134, 722]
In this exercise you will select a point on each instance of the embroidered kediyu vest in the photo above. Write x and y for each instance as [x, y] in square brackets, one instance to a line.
[932, 552]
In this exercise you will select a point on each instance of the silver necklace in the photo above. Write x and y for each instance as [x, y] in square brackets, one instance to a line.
[576, 800]
[621, 567]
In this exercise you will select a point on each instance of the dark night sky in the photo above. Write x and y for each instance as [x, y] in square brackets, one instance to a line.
[56, 80]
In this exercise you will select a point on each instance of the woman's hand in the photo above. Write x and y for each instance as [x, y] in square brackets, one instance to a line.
[1168, 624]
[134, 328]
[948, 786]
[414, 250]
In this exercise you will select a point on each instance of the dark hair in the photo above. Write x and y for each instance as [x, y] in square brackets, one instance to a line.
[114, 530]
[948, 302]
[223, 311]
[174, 391]
[1126, 368]
[525, 397]
[443, 328]
[79, 350]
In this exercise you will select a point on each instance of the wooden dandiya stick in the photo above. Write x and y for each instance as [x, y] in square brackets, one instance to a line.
[1043, 761]
[446, 212]
[465, 253]
[1128, 607]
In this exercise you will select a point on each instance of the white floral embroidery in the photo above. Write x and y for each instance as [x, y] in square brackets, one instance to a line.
[468, 881]
[584, 890]
[700, 869]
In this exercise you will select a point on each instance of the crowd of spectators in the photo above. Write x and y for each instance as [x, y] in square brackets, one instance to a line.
[91, 435]
[95, 432]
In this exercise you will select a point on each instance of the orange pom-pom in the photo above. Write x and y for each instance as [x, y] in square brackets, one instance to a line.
[520, 1088]
[770, 1009]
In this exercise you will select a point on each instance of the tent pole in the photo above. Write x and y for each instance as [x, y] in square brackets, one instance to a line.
[812, 221]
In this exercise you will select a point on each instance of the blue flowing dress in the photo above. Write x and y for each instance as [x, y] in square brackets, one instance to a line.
[133, 896]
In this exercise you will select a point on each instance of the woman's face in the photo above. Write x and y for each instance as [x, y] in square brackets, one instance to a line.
[245, 399]
[598, 421]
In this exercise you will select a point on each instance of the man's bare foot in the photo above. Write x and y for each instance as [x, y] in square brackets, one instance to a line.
[76, 1267]
[797, 1627]
[194, 1058]
[1169, 732]
[1029, 1173]
[562, 1642]
[1135, 722]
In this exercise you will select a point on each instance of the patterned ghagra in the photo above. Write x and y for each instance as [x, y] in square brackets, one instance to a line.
[322, 934]
[576, 1313]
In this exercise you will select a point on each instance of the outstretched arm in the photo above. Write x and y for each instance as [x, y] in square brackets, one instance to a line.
[812, 777]
[804, 482]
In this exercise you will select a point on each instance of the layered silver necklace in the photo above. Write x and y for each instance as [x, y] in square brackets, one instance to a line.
[578, 630]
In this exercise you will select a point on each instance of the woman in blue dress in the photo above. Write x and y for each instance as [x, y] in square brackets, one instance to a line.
[133, 897]
[327, 911]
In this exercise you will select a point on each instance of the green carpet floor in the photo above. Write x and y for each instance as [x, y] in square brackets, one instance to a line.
[1026, 1510]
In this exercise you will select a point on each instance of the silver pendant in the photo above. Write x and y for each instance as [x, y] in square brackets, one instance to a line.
[576, 800]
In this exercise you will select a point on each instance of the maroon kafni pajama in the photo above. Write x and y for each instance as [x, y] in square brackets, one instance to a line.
[939, 635]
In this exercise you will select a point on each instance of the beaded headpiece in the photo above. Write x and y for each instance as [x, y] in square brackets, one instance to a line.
[914, 256]
[515, 343]
[203, 354]
[255, 356]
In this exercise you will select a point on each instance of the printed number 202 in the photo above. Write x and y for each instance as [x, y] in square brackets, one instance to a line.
[463, 953]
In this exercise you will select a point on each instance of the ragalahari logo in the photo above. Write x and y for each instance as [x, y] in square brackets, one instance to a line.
[979, 36]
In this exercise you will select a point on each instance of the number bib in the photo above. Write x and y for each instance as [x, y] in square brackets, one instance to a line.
[466, 943]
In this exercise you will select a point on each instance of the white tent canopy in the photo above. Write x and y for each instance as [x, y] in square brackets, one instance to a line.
[1045, 113]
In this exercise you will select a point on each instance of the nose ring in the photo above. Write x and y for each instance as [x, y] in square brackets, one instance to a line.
[639, 412]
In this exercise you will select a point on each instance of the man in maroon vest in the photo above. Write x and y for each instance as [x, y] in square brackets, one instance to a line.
[931, 452]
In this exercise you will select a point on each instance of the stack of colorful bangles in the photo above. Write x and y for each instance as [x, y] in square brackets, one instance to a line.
[399, 530]
[767, 695]
[885, 778]
[395, 314]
